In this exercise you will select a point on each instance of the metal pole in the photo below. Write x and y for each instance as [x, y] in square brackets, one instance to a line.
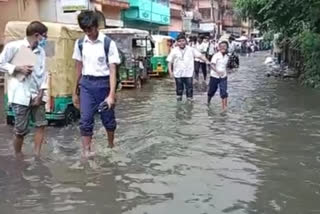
[212, 17]
[151, 17]
[219, 18]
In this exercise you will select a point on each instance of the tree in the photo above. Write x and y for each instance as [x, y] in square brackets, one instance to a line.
[290, 17]
[298, 21]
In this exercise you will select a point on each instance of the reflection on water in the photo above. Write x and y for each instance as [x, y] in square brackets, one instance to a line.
[262, 156]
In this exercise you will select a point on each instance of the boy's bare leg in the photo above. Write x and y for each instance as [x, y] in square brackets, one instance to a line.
[224, 104]
[38, 140]
[17, 144]
[86, 145]
[111, 138]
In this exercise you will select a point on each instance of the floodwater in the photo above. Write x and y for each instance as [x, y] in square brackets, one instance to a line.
[262, 156]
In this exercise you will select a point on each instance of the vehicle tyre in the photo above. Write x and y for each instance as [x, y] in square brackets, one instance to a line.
[138, 83]
[70, 115]
[10, 120]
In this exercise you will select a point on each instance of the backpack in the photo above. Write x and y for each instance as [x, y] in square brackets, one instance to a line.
[233, 61]
[107, 42]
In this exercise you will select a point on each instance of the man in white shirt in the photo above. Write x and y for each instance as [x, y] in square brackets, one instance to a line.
[219, 75]
[211, 49]
[202, 47]
[25, 95]
[181, 66]
[96, 58]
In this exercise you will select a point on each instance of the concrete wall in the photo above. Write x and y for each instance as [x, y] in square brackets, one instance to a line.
[176, 25]
[148, 11]
[51, 11]
[112, 12]
[175, 22]
[13, 10]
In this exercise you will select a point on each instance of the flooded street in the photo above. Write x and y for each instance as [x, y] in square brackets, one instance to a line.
[262, 156]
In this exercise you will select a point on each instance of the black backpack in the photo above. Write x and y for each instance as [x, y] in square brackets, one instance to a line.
[107, 42]
[233, 61]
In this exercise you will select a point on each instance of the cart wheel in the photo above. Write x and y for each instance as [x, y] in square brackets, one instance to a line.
[119, 87]
[10, 120]
[138, 83]
[70, 115]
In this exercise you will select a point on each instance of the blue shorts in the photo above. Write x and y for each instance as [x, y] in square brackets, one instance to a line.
[222, 83]
[93, 91]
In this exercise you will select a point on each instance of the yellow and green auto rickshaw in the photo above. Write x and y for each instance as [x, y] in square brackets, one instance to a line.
[136, 49]
[162, 49]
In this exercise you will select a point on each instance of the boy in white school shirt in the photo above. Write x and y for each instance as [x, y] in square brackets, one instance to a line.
[96, 58]
[219, 76]
[181, 66]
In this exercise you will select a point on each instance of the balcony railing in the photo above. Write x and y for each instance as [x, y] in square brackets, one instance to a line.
[176, 13]
[180, 2]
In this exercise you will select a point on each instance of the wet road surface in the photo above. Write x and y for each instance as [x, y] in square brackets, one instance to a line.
[262, 156]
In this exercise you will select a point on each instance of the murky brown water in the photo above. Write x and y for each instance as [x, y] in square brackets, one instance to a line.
[262, 156]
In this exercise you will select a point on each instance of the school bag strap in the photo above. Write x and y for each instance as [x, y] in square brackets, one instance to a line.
[107, 42]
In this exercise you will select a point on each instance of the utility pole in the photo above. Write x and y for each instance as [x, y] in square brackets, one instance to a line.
[151, 17]
[219, 18]
[213, 18]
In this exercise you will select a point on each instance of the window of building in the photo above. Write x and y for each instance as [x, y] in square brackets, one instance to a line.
[164, 2]
[205, 13]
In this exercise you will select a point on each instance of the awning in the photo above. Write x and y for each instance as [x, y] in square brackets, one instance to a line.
[242, 38]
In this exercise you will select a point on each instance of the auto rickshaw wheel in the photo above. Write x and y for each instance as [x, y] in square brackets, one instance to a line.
[71, 115]
[10, 120]
[139, 83]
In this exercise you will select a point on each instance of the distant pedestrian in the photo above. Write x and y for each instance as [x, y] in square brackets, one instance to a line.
[96, 58]
[211, 49]
[219, 77]
[181, 66]
[202, 47]
[27, 95]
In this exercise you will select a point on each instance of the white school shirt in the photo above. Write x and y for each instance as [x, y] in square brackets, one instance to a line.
[202, 48]
[211, 48]
[22, 92]
[93, 56]
[221, 62]
[183, 61]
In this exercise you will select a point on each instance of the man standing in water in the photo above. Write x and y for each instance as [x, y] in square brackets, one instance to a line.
[181, 66]
[27, 85]
[96, 58]
[219, 75]
[202, 47]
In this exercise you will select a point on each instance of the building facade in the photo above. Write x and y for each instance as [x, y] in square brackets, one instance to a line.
[17, 10]
[61, 11]
[147, 15]
[112, 11]
[176, 13]
[221, 14]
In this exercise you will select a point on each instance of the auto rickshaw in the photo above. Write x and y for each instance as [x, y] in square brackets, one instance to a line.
[162, 49]
[60, 67]
[136, 49]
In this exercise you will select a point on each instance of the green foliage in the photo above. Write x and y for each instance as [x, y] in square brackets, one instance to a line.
[310, 46]
[297, 20]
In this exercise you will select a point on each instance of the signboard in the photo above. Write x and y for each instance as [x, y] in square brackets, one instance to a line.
[74, 5]
[207, 26]
[187, 24]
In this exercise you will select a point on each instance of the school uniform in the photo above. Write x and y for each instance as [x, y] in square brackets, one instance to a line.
[200, 64]
[183, 68]
[221, 62]
[94, 84]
